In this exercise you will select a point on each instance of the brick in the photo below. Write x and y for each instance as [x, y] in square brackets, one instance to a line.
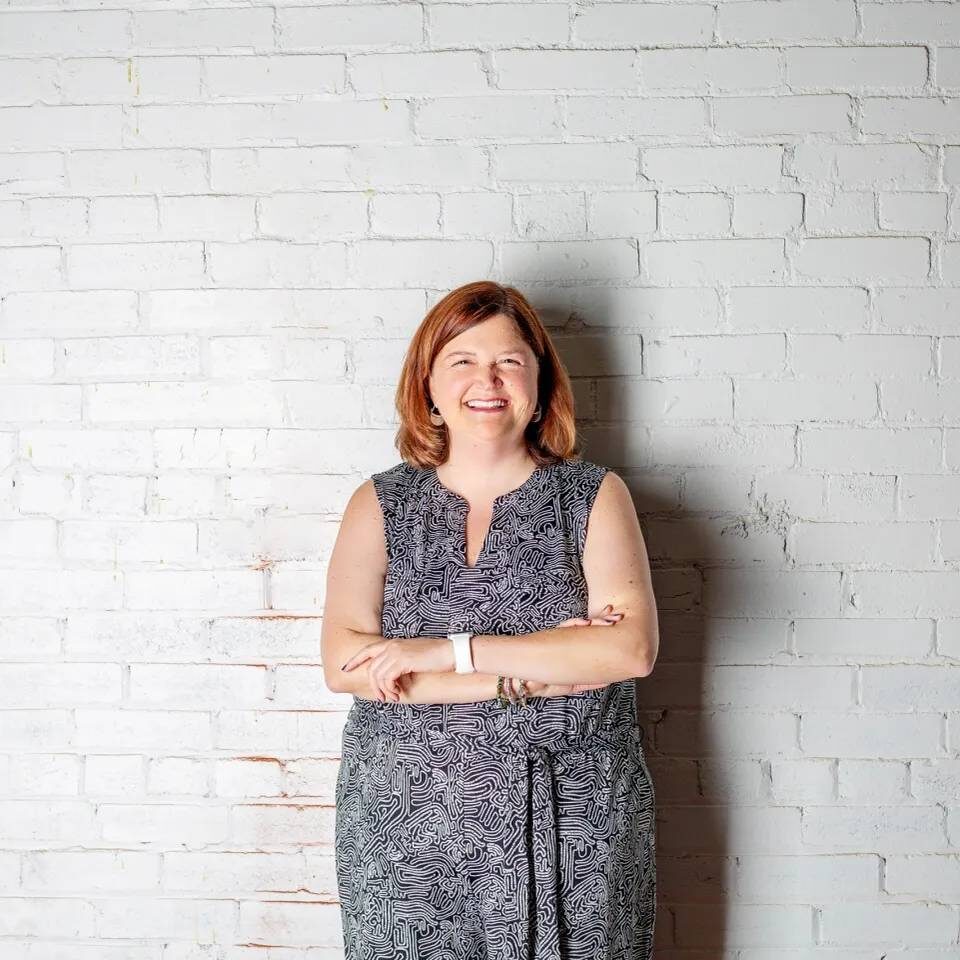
[563, 162]
[873, 781]
[800, 309]
[929, 877]
[794, 401]
[454, 24]
[870, 450]
[920, 310]
[883, 638]
[64, 31]
[854, 357]
[619, 213]
[649, 25]
[533, 115]
[207, 29]
[921, 402]
[644, 119]
[708, 261]
[272, 76]
[874, 829]
[744, 593]
[419, 74]
[758, 354]
[539, 69]
[909, 115]
[653, 308]
[864, 258]
[787, 20]
[886, 545]
[305, 28]
[87, 79]
[922, 22]
[914, 212]
[714, 166]
[657, 400]
[767, 214]
[875, 166]
[689, 214]
[885, 922]
[903, 594]
[796, 115]
[855, 68]
[710, 70]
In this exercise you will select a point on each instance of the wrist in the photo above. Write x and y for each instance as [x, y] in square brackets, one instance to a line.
[460, 651]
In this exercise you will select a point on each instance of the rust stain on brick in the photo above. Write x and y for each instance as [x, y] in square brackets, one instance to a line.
[276, 760]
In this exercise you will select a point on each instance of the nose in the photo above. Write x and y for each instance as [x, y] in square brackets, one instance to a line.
[491, 376]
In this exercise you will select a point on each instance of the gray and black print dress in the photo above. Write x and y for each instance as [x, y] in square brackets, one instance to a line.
[472, 831]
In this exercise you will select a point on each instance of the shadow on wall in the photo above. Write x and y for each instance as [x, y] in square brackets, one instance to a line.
[705, 749]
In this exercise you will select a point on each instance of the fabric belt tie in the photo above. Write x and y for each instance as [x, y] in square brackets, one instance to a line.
[539, 877]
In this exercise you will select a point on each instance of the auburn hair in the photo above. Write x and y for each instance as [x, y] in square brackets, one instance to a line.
[422, 443]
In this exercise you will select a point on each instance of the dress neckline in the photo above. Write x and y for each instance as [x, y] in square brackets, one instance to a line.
[457, 508]
[538, 471]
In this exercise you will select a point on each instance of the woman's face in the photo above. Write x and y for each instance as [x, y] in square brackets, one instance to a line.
[490, 360]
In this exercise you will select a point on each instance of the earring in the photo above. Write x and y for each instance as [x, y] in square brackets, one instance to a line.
[536, 415]
[435, 417]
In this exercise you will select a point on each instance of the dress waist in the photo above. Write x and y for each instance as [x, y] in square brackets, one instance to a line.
[591, 719]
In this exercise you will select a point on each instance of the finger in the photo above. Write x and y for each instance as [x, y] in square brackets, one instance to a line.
[356, 660]
[374, 680]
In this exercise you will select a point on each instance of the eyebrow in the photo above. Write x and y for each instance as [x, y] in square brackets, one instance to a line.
[470, 353]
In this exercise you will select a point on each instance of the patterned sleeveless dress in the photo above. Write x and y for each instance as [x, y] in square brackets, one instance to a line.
[472, 831]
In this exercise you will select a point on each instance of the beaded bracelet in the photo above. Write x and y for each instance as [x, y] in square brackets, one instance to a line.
[510, 697]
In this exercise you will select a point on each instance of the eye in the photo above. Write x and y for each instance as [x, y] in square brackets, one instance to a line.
[513, 360]
[455, 362]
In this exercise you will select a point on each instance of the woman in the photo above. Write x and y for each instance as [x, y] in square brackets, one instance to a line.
[493, 800]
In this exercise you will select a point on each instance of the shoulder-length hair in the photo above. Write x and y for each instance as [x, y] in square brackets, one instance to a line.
[419, 441]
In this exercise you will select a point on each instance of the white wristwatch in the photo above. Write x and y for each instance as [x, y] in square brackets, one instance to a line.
[462, 654]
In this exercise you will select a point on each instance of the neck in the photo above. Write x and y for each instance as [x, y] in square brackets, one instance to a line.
[480, 472]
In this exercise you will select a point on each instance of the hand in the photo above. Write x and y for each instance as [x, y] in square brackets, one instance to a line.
[607, 617]
[390, 659]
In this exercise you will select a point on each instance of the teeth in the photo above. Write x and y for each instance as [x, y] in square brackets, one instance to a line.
[486, 403]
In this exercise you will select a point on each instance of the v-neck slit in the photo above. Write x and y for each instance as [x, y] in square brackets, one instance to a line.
[463, 512]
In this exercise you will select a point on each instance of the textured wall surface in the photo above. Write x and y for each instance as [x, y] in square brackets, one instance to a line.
[219, 226]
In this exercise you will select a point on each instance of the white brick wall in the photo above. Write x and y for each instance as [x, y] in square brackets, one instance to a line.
[219, 226]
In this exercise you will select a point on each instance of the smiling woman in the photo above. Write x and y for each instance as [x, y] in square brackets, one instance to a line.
[470, 824]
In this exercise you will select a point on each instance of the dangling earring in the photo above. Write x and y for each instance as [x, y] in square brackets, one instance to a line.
[536, 415]
[435, 417]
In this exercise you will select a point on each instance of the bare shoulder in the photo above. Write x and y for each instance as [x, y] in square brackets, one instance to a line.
[615, 562]
[361, 527]
[613, 499]
[358, 566]
[614, 537]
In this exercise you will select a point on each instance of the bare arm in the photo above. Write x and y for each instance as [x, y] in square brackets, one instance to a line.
[421, 687]
[616, 568]
[353, 608]
[354, 604]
